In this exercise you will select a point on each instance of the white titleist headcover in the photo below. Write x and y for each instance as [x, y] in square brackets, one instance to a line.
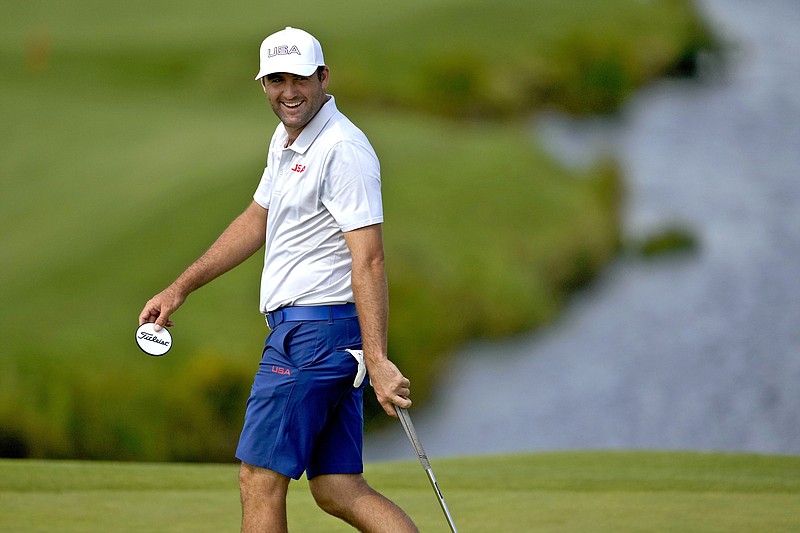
[290, 50]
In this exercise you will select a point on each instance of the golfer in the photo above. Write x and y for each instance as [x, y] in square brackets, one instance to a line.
[318, 212]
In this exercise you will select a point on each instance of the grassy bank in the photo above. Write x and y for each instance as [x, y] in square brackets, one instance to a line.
[597, 492]
[132, 133]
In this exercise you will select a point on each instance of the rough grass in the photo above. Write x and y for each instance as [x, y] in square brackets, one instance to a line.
[576, 492]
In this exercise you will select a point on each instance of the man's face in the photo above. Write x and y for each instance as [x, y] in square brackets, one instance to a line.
[296, 99]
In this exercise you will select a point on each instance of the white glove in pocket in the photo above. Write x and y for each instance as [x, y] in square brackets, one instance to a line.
[362, 367]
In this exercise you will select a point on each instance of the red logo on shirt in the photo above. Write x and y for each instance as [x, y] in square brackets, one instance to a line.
[299, 168]
[281, 370]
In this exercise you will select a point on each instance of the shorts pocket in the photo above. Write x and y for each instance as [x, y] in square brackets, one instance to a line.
[279, 339]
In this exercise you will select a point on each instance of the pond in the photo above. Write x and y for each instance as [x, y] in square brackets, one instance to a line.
[694, 352]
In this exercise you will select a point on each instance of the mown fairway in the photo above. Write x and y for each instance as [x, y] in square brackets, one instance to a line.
[565, 492]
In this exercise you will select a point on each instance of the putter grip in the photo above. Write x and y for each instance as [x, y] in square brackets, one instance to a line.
[411, 433]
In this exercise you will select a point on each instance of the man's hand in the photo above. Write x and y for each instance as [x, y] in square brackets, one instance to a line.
[391, 386]
[159, 308]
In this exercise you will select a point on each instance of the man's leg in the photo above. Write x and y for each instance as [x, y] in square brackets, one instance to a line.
[263, 494]
[347, 496]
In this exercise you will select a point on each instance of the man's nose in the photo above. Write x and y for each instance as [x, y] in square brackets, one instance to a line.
[289, 88]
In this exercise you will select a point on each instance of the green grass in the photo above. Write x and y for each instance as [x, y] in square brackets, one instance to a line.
[549, 492]
[133, 132]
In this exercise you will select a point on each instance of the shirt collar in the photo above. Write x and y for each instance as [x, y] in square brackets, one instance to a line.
[313, 128]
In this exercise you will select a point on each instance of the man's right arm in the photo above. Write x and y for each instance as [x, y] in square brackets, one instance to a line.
[242, 238]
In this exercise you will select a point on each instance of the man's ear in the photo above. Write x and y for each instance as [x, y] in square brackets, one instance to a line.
[324, 76]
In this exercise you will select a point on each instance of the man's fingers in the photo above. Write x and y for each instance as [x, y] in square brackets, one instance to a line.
[157, 313]
[162, 321]
[404, 403]
[147, 316]
[389, 408]
[399, 401]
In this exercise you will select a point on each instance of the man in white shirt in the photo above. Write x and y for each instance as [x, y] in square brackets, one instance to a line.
[318, 211]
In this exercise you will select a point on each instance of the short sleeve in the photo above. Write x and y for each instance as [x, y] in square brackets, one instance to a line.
[351, 185]
[264, 190]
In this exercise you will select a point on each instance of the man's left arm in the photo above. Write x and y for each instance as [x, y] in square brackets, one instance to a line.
[372, 301]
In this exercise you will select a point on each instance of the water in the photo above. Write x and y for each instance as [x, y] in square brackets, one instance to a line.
[698, 352]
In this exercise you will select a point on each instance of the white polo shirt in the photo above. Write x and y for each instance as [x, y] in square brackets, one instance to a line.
[326, 183]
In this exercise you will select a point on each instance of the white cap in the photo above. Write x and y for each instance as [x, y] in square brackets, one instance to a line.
[290, 50]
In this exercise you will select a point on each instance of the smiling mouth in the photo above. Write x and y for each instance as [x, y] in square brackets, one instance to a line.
[292, 105]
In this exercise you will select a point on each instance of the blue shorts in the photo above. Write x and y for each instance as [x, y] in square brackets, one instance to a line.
[304, 413]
